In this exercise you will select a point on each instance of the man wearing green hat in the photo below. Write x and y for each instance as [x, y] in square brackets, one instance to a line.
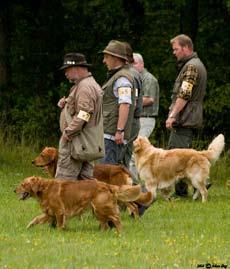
[118, 102]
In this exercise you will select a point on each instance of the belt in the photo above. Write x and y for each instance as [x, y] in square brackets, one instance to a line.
[112, 137]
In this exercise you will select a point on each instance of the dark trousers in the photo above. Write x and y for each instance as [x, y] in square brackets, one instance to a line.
[181, 138]
[113, 152]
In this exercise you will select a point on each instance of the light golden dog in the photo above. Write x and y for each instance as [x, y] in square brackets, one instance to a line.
[160, 169]
[108, 173]
[62, 199]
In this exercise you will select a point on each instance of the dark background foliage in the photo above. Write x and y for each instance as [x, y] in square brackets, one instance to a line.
[34, 36]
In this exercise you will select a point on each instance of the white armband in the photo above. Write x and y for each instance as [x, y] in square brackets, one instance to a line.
[186, 86]
[124, 91]
[83, 115]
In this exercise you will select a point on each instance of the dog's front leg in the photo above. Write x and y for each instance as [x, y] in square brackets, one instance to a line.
[39, 220]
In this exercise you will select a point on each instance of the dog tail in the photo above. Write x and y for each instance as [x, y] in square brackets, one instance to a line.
[127, 193]
[215, 149]
[145, 198]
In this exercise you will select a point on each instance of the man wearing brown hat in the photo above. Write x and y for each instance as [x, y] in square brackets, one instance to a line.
[118, 102]
[81, 116]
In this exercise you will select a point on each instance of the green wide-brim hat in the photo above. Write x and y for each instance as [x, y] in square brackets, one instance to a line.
[117, 49]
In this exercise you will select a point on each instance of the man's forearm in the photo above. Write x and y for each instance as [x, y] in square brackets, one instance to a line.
[178, 106]
[123, 116]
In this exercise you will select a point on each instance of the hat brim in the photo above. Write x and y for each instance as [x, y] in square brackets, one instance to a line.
[114, 54]
[71, 65]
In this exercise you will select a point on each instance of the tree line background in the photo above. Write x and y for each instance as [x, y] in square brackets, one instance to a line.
[35, 34]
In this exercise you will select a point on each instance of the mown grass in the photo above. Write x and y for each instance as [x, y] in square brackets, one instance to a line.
[177, 234]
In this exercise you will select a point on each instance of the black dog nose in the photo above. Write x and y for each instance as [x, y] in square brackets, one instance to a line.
[33, 162]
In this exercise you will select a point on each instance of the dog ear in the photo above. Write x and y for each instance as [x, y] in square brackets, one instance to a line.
[51, 154]
[36, 184]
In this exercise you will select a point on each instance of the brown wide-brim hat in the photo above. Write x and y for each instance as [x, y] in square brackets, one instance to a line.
[117, 49]
[74, 59]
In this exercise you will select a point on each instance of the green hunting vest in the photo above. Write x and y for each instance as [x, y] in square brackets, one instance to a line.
[192, 114]
[111, 106]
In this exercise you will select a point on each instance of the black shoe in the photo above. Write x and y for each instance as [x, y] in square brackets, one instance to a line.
[142, 209]
[181, 189]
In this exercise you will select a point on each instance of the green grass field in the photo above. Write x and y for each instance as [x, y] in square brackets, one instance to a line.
[178, 234]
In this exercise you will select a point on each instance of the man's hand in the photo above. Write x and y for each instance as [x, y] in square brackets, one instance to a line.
[65, 138]
[178, 106]
[119, 137]
[169, 122]
[61, 102]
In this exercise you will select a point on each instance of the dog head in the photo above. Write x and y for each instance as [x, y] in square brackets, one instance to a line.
[47, 156]
[30, 187]
[140, 143]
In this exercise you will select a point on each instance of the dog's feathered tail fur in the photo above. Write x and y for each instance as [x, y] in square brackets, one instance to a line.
[126, 193]
[214, 149]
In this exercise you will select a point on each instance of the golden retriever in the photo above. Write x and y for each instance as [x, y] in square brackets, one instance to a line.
[62, 199]
[109, 173]
[161, 168]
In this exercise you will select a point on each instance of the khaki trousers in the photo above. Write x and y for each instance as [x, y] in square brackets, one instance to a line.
[68, 167]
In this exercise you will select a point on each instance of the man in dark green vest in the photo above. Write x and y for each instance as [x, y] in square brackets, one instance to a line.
[118, 102]
[186, 110]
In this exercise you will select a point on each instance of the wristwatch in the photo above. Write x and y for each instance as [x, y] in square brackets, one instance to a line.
[120, 130]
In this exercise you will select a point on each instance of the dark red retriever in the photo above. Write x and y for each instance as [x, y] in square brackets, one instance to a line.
[63, 199]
